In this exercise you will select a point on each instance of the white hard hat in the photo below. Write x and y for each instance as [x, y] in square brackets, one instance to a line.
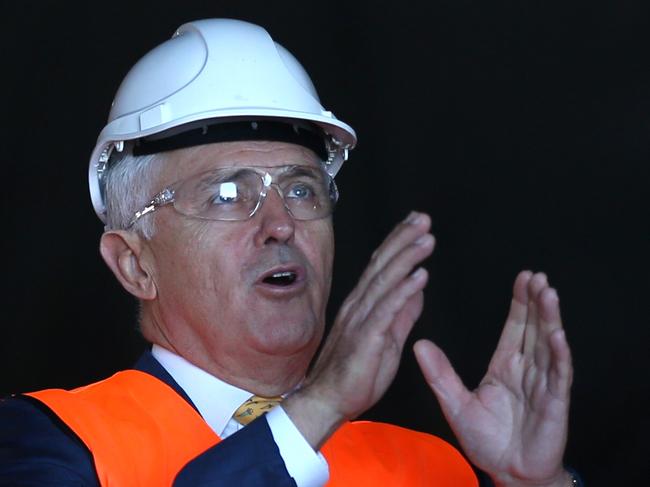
[212, 71]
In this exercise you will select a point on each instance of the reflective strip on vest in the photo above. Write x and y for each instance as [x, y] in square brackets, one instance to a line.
[142, 433]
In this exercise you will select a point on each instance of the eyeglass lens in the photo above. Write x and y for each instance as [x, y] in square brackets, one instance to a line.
[235, 193]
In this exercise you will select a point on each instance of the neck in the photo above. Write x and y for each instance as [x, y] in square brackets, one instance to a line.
[272, 376]
[260, 373]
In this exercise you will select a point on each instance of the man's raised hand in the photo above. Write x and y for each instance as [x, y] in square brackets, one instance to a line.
[514, 425]
[362, 352]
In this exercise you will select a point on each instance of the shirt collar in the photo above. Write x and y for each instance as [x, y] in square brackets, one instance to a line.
[215, 399]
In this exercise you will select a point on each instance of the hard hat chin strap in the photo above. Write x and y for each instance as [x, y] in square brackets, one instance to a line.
[308, 136]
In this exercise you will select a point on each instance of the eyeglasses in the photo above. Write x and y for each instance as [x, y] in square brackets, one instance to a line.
[236, 193]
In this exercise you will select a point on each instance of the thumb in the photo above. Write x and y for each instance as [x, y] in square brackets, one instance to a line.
[441, 377]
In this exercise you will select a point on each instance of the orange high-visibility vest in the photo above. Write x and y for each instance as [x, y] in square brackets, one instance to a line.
[142, 433]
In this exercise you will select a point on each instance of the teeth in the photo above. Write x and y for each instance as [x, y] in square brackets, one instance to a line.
[283, 278]
[283, 274]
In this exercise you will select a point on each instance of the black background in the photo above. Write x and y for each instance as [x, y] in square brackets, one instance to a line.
[522, 127]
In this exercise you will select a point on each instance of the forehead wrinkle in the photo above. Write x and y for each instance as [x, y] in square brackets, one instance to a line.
[185, 162]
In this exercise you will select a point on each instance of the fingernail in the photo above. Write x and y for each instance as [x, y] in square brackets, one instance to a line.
[423, 240]
[418, 273]
[413, 217]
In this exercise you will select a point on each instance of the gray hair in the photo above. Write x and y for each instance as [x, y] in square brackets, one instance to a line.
[128, 188]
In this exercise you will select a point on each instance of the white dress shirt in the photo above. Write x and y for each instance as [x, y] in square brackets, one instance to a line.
[217, 401]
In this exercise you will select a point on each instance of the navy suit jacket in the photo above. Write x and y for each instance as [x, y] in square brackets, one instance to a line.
[37, 448]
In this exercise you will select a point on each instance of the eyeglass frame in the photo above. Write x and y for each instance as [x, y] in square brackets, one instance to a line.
[166, 196]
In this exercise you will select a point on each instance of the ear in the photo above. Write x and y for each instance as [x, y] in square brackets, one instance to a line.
[124, 252]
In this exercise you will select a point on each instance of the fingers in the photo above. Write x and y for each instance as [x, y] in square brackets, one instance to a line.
[406, 233]
[546, 307]
[554, 354]
[544, 342]
[388, 282]
[512, 335]
[392, 275]
[534, 315]
[406, 246]
[361, 355]
[549, 308]
[441, 377]
[538, 282]
[561, 371]
[407, 317]
[393, 316]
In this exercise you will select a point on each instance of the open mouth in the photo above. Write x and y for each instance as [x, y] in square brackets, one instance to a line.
[281, 278]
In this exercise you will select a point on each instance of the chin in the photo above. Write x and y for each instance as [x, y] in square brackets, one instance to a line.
[288, 340]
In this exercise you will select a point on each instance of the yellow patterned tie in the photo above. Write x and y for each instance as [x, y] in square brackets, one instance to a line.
[254, 407]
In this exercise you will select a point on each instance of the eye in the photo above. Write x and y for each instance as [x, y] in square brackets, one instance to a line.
[300, 191]
[225, 193]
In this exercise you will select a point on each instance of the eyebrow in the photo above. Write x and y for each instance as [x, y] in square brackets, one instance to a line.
[300, 170]
[219, 175]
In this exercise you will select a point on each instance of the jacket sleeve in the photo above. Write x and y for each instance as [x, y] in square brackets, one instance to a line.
[37, 449]
[249, 458]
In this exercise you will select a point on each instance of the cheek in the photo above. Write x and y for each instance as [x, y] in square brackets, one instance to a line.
[192, 261]
[320, 249]
[216, 258]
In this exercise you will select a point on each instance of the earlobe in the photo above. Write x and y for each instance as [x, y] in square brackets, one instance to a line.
[123, 253]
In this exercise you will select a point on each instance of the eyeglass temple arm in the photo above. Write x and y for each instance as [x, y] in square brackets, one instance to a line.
[165, 197]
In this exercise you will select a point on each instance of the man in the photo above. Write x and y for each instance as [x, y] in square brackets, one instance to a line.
[214, 176]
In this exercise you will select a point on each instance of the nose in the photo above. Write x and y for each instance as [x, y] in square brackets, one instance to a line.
[276, 225]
